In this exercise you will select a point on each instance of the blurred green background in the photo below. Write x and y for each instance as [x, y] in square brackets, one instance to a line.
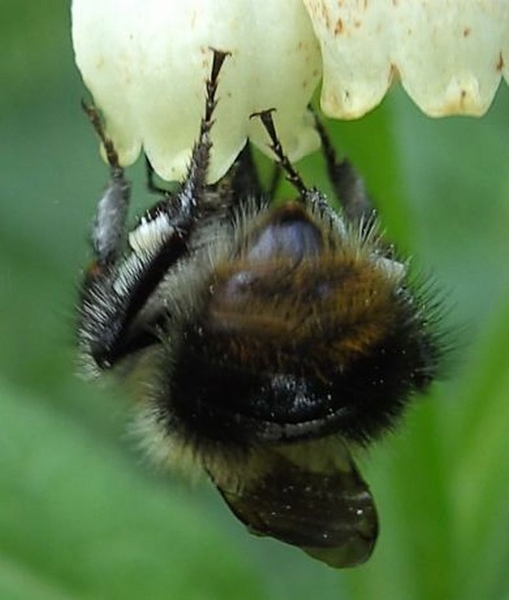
[82, 516]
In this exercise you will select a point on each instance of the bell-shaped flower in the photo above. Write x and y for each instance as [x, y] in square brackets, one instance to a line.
[146, 63]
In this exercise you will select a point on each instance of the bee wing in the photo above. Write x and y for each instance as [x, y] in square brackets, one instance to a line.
[309, 495]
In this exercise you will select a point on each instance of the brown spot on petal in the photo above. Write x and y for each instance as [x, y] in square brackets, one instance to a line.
[326, 17]
[338, 30]
[463, 99]
[467, 31]
[500, 63]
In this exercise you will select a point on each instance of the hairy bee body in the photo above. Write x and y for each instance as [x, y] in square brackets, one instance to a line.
[264, 341]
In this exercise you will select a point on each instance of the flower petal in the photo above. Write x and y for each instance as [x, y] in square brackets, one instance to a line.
[449, 54]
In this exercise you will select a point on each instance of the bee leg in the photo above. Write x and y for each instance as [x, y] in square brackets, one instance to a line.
[283, 161]
[196, 176]
[116, 290]
[348, 185]
[194, 185]
[109, 229]
[309, 196]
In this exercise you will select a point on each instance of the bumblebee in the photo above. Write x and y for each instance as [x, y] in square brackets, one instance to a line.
[264, 342]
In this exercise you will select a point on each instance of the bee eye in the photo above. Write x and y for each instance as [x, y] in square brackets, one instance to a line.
[290, 234]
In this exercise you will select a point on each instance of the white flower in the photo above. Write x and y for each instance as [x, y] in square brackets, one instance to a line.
[449, 54]
[145, 63]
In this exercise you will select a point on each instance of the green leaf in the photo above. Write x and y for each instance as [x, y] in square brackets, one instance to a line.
[79, 521]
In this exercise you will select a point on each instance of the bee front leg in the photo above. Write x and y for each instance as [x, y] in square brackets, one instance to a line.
[109, 228]
[118, 285]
